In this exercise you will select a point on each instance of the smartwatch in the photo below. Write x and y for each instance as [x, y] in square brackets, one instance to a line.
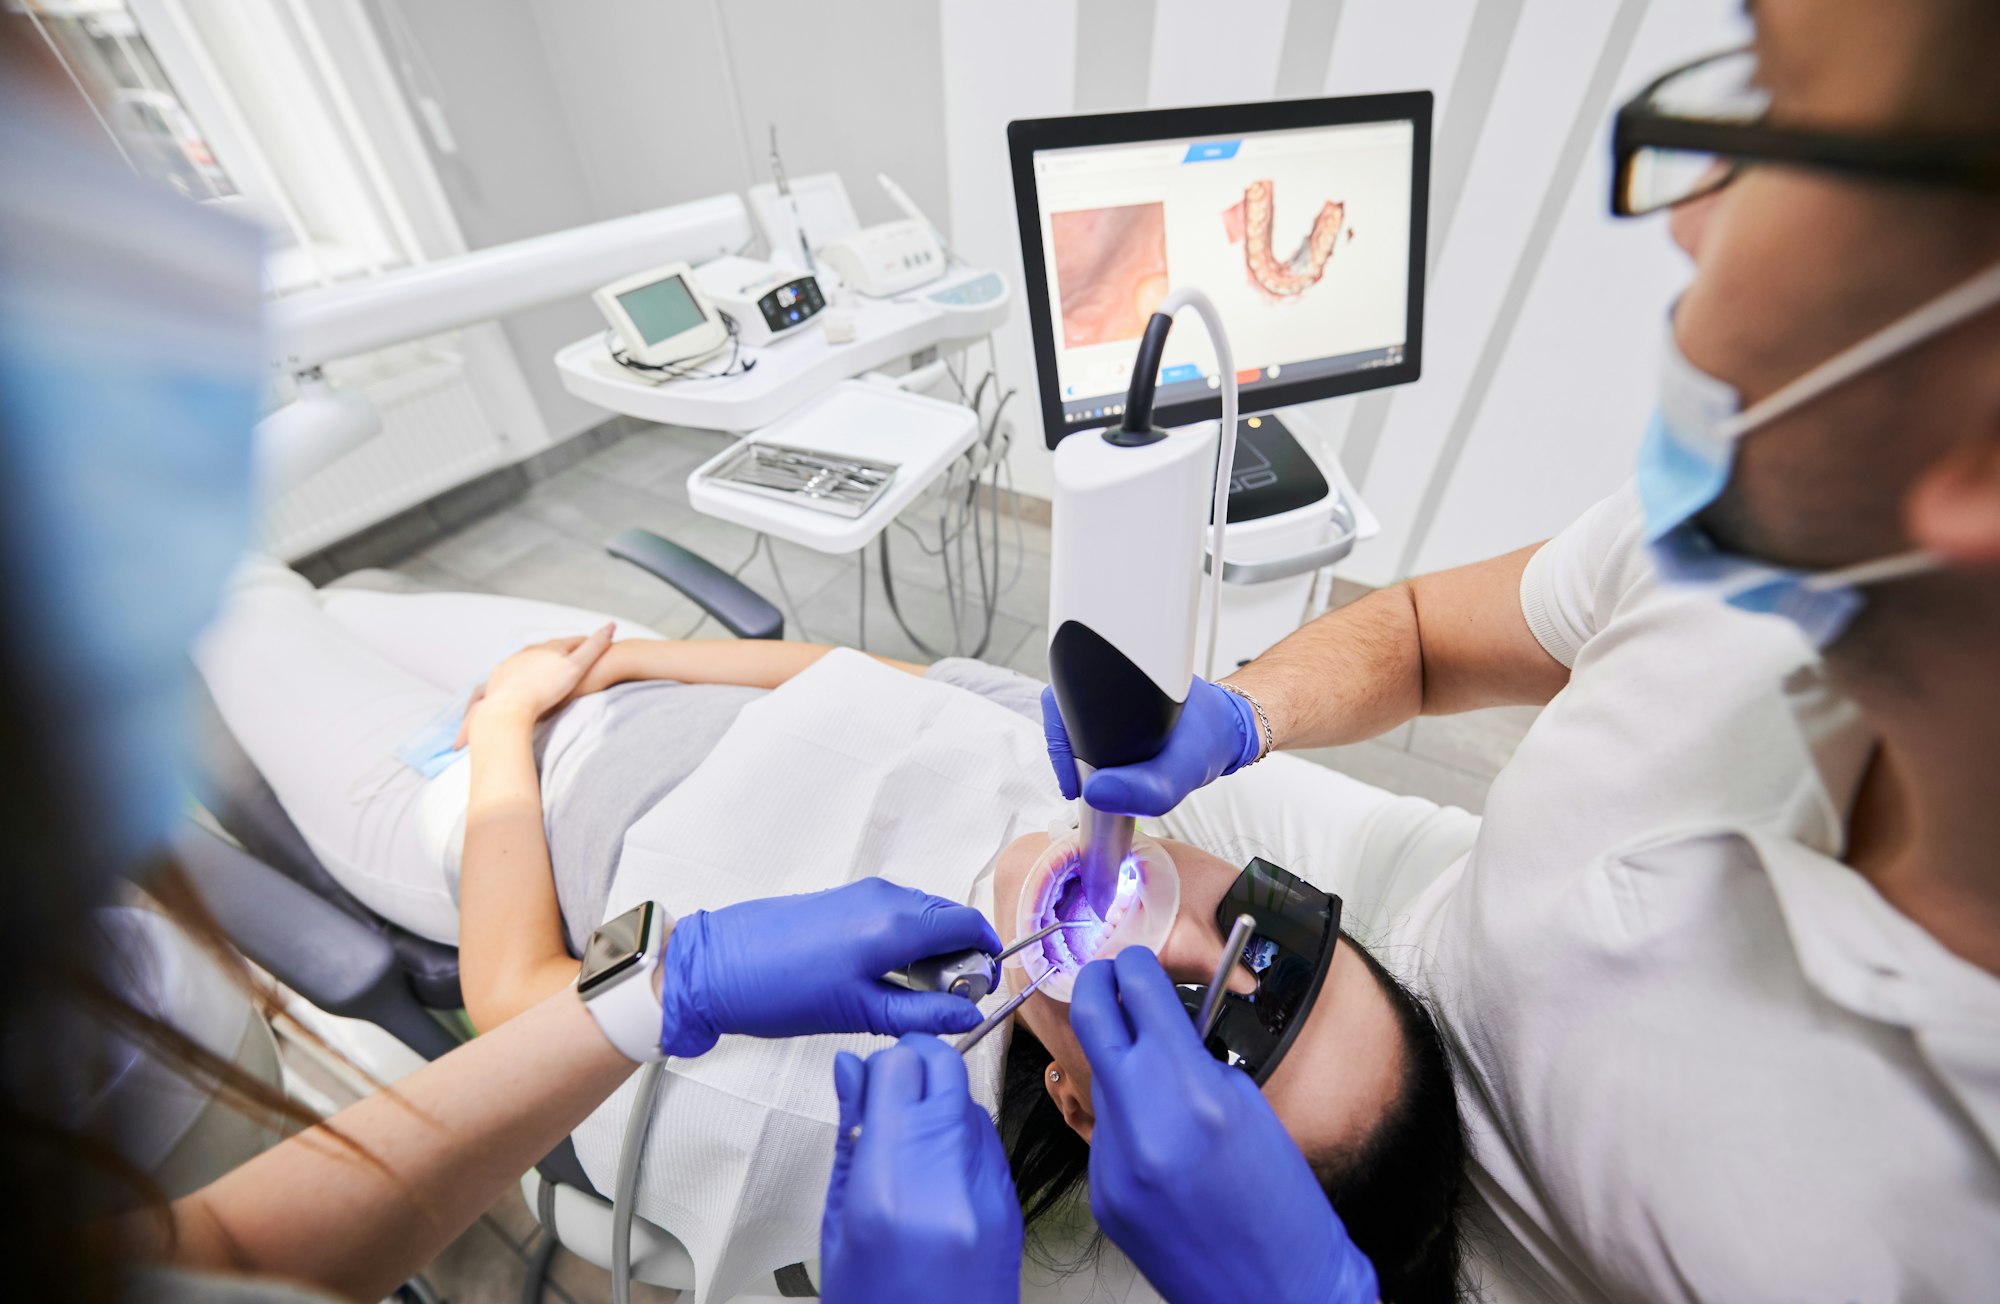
[616, 981]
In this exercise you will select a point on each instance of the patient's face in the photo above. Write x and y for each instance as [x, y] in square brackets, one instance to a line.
[1341, 1072]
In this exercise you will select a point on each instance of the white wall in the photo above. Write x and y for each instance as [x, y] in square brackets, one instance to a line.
[1575, 381]
[1007, 61]
[514, 172]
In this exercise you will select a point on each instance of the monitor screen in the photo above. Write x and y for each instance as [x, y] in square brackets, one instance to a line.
[662, 310]
[1302, 221]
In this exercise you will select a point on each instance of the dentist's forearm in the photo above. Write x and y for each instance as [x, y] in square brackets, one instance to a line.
[1451, 641]
[1349, 675]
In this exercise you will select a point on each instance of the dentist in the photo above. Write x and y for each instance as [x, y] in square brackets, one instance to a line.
[1720, 968]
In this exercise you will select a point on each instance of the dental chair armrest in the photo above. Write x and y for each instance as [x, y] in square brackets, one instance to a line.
[735, 605]
[312, 946]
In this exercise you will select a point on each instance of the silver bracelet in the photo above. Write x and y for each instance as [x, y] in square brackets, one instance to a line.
[1263, 722]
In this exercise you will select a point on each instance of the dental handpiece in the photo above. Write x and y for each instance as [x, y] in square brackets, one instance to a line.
[972, 973]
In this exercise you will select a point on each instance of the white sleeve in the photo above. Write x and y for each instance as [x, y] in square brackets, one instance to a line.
[1574, 581]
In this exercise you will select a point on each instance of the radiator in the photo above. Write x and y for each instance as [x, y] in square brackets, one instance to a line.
[435, 435]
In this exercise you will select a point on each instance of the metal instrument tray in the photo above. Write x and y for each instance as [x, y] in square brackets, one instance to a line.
[826, 482]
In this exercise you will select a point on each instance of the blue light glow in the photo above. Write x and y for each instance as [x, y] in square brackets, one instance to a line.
[1069, 949]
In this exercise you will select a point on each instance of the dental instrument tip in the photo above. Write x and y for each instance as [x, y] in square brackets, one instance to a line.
[1038, 935]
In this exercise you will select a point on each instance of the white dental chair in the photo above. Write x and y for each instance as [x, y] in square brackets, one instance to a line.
[284, 911]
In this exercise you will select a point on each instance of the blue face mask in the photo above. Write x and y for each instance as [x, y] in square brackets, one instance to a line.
[131, 369]
[429, 751]
[1689, 451]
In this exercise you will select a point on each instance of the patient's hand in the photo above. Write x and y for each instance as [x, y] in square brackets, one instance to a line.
[538, 679]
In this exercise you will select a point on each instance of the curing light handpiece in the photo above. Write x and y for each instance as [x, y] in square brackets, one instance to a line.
[1132, 505]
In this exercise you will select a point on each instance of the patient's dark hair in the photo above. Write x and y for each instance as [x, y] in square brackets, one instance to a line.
[1398, 1192]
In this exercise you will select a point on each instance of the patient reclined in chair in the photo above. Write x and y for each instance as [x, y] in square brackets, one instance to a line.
[324, 689]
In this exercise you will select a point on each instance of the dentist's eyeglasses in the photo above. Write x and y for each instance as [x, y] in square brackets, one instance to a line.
[1691, 132]
[1288, 953]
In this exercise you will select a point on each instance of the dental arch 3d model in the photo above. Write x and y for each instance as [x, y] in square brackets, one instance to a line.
[1249, 220]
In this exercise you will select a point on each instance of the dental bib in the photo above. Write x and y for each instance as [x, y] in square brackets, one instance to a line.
[848, 770]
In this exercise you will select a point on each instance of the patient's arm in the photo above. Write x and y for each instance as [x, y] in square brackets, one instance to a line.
[754, 663]
[511, 952]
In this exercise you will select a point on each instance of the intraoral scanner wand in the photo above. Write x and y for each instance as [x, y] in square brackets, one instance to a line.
[1132, 506]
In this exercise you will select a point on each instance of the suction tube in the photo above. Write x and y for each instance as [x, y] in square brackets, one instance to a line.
[1127, 580]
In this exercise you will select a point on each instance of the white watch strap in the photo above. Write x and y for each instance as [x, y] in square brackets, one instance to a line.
[628, 1013]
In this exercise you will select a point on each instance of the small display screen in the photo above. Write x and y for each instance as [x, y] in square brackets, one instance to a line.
[613, 948]
[662, 310]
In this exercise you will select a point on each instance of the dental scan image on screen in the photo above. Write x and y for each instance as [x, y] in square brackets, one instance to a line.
[1300, 237]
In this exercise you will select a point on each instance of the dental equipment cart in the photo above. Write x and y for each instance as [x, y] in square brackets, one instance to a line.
[821, 395]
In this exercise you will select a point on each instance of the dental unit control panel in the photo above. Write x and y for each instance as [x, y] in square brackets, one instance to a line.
[767, 302]
[663, 317]
[774, 366]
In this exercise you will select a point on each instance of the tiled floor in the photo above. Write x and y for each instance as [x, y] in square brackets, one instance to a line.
[549, 544]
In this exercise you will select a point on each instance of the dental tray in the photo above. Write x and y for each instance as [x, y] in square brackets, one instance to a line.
[838, 484]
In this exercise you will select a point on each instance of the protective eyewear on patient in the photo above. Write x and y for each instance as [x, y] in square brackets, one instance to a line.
[1289, 950]
[1690, 133]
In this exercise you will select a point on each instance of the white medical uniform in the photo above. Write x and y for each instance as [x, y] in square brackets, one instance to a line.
[1699, 1057]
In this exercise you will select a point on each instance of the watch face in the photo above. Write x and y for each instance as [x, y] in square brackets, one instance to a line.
[615, 949]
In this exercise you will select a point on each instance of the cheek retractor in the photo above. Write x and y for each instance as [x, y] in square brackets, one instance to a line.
[1142, 912]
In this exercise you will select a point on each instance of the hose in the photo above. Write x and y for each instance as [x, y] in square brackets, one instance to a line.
[1225, 462]
[630, 1151]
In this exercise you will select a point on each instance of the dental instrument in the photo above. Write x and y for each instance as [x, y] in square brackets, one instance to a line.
[1232, 951]
[999, 1016]
[901, 199]
[1130, 508]
[784, 186]
[972, 974]
[1036, 936]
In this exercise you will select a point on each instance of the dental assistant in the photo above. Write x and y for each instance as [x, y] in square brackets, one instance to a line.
[1720, 967]
[130, 378]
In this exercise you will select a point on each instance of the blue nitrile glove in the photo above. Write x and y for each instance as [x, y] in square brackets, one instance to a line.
[793, 965]
[921, 1205]
[1217, 734]
[1191, 1173]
